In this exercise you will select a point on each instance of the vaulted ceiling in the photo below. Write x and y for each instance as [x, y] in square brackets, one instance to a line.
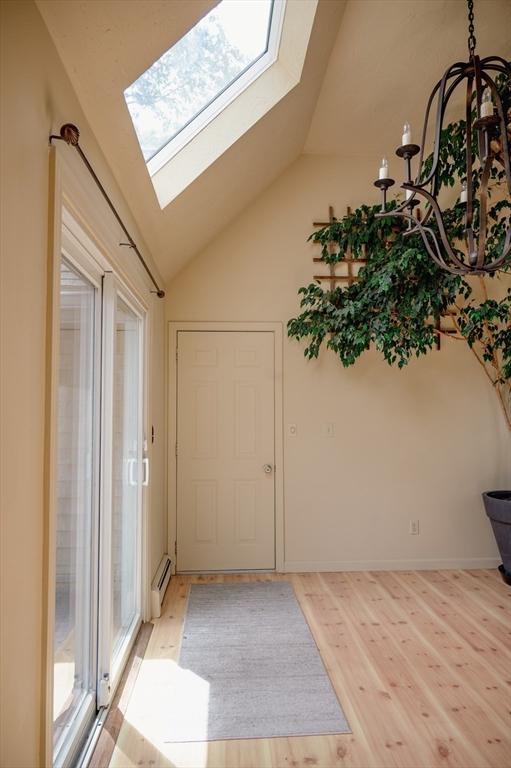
[370, 66]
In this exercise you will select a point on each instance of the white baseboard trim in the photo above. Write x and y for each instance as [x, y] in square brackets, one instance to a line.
[467, 563]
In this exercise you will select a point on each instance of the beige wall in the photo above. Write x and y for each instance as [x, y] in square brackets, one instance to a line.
[421, 443]
[36, 99]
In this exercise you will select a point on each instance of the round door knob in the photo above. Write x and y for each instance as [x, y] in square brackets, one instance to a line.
[268, 468]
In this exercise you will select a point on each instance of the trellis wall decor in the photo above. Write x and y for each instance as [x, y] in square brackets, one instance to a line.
[351, 266]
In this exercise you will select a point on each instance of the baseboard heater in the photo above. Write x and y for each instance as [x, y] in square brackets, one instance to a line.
[159, 585]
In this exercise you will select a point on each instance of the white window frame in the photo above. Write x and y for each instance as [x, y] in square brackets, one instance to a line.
[243, 112]
[225, 97]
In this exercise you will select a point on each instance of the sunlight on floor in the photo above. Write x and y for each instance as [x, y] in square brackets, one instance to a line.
[170, 699]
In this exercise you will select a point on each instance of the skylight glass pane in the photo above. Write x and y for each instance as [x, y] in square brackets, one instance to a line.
[196, 70]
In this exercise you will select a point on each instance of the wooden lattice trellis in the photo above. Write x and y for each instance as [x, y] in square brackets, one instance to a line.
[351, 266]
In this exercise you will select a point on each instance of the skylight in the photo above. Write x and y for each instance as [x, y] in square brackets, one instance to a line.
[194, 103]
[185, 88]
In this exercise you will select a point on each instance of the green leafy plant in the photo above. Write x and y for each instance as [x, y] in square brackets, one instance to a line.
[401, 294]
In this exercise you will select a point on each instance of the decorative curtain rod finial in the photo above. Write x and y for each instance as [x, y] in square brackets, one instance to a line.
[70, 134]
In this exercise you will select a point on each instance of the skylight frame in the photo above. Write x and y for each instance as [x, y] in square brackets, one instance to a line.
[208, 113]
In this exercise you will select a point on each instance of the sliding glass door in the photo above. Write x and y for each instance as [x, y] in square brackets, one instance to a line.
[120, 598]
[99, 469]
[127, 463]
[74, 682]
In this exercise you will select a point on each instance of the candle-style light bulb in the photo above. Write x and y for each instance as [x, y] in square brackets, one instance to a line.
[406, 138]
[384, 169]
[463, 193]
[486, 104]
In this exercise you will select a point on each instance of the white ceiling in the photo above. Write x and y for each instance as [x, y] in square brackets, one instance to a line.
[373, 68]
[106, 44]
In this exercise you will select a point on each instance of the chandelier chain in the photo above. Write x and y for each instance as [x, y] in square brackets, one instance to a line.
[471, 36]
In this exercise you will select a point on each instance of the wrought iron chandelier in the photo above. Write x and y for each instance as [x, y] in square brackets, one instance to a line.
[469, 255]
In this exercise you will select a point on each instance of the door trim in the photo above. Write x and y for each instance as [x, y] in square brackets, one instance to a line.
[276, 328]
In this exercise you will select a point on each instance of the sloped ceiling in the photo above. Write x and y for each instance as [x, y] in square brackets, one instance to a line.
[106, 44]
[373, 64]
[386, 59]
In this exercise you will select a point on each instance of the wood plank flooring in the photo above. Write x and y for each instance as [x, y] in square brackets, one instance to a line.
[421, 662]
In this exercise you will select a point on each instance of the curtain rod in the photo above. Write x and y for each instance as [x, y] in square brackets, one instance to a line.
[71, 135]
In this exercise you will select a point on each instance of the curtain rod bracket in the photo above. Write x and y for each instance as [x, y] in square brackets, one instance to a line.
[71, 135]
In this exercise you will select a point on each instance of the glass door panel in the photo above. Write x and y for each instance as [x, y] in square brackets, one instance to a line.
[74, 678]
[98, 497]
[126, 471]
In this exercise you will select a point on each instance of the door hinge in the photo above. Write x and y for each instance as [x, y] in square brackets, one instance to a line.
[175, 547]
[176, 449]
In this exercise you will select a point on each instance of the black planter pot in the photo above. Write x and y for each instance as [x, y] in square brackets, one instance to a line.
[498, 508]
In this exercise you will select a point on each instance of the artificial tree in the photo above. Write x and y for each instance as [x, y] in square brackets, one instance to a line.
[401, 294]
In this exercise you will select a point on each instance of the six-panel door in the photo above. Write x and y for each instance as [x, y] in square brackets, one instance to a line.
[225, 451]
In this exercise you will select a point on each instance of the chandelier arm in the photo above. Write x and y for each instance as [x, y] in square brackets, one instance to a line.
[456, 70]
[427, 215]
[436, 255]
[488, 63]
[469, 211]
[503, 128]
[493, 266]
[505, 256]
[483, 145]
[440, 222]
[413, 230]
[483, 210]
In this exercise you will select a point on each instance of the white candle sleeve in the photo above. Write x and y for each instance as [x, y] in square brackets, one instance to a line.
[406, 138]
[384, 169]
[486, 104]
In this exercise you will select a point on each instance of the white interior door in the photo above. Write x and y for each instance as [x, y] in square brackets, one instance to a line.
[225, 451]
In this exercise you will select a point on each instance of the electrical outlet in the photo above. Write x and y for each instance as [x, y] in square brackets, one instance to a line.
[414, 528]
[328, 430]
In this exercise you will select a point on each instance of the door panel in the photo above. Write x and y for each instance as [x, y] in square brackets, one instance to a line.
[122, 470]
[126, 472]
[225, 436]
[76, 506]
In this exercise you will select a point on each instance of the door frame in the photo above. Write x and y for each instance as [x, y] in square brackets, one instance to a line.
[175, 327]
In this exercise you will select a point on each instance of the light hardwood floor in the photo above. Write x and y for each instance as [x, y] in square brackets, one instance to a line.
[421, 662]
